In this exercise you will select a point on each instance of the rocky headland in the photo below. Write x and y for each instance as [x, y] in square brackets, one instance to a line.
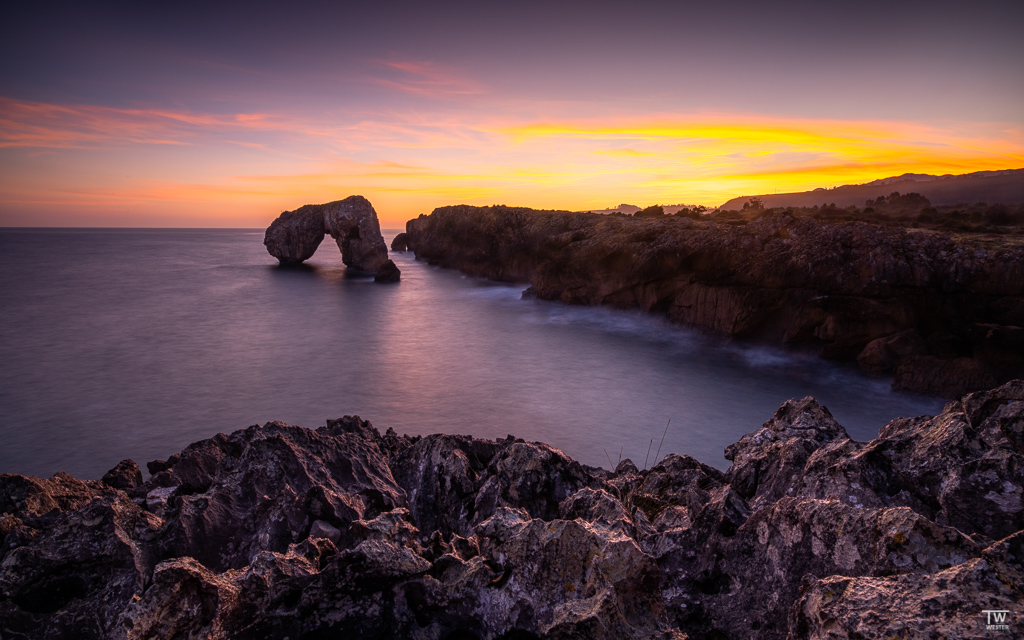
[941, 316]
[279, 531]
[294, 236]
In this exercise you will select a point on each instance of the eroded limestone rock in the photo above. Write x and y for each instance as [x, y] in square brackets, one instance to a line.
[126, 475]
[954, 603]
[353, 224]
[295, 235]
[278, 531]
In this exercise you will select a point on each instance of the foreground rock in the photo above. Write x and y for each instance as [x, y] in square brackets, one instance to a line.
[941, 317]
[279, 531]
[295, 235]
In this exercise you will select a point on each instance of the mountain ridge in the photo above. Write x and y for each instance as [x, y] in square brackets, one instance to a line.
[1004, 186]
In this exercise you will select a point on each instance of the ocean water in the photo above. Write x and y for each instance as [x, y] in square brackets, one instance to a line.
[133, 343]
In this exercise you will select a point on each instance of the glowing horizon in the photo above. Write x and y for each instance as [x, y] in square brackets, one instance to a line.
[588, 164]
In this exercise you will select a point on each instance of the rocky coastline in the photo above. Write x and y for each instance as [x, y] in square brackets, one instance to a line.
[939, 316]
[278, 531]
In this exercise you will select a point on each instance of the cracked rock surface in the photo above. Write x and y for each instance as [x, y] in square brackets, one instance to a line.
[278, 531]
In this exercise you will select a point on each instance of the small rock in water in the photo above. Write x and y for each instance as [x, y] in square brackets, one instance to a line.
[389, 272]
[401, 242]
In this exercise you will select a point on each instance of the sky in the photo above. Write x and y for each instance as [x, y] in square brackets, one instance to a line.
[225, 114]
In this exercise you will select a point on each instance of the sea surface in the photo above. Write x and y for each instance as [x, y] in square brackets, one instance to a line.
[132, 343]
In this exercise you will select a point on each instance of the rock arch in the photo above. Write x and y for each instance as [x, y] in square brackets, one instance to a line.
[295, 235]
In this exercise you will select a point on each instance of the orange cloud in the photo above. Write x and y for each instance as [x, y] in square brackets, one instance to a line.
[238, 168]
[714, 158]
[38, 124]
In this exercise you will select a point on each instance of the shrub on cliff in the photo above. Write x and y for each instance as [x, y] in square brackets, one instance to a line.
[693, 213]
[756, 204]
[896, 202]
[653, 211]
[1002, 215]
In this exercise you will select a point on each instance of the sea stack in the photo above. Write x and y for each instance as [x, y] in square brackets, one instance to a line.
[295, 235]
[401, 242]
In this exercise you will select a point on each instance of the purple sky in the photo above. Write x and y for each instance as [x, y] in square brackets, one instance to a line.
[180, 114]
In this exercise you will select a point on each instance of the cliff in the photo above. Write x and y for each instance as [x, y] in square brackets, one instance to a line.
[941, 316]
[284, 532]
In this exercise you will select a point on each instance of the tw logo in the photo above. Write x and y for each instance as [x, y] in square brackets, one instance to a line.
[996, 620]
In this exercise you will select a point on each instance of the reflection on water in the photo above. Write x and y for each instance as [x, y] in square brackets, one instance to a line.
[133, 343]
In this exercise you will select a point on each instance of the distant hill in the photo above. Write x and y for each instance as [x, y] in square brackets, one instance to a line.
[630, 209]
[1006, 187]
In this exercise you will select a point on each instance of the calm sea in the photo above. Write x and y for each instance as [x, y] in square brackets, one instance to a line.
[133, 343]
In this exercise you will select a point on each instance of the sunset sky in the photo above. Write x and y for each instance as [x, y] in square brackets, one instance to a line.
[179, 114]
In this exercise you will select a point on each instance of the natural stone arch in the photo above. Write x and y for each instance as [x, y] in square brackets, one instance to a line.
[295, 235]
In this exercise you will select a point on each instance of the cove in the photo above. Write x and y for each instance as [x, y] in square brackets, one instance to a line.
[133, 343]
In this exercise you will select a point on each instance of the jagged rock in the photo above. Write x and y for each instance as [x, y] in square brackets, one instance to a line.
[440, 475]
[768, 279]
[290, 476]
[157, 499]
[673, 493]
[321, 529]
[948, 604]
[1000, 407]
[295, 235]
[75, 577]
[767, 463]
[455, 482]
[534, 477]
[182, 601]
[126, 475]
[713, 576]
[278, 531]
[156, 466]
[958, 468]
[589, 583]
[400, 242]
[30, 497]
